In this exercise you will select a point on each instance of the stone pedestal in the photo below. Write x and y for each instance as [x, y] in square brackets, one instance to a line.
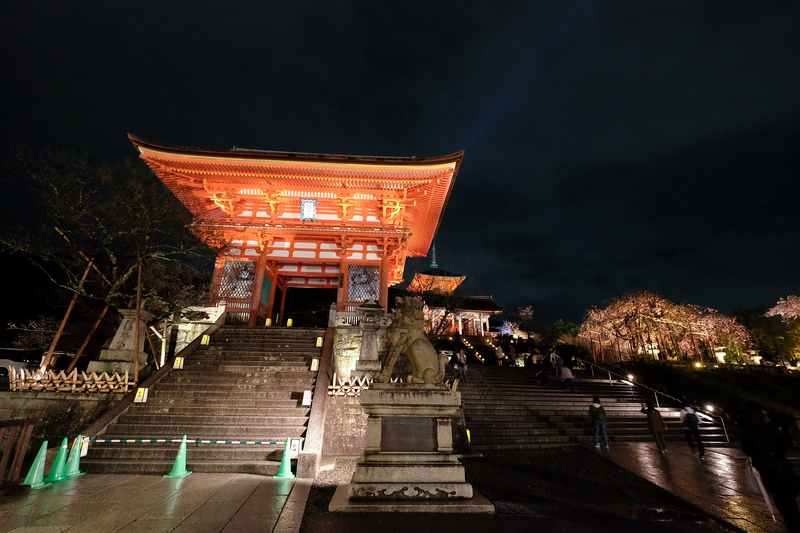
[409, 445]
[119, 356]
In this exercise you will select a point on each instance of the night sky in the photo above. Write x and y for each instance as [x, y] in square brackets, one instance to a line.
[611, 146]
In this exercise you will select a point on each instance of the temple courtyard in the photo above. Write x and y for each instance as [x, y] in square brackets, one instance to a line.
[628, 487]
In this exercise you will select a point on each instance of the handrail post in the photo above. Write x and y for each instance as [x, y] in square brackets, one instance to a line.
[656, 396]
[727, 439]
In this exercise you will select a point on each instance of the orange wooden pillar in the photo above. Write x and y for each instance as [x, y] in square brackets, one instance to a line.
[284, 290]
[258, 284]
[272, 290]
[383, 297]
[216, 278]
[341, 292]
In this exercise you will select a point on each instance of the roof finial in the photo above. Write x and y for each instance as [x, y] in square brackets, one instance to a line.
[433, 260]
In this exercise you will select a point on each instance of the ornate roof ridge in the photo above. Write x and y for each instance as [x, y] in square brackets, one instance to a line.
[247, 153]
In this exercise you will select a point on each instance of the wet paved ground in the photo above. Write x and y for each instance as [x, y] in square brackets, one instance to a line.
[198, 503]
[571, 489]
[716, 484]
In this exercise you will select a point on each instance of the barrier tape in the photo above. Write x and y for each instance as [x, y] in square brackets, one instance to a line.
[196, 441]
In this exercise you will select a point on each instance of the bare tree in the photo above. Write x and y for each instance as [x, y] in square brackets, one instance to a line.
[92, 226]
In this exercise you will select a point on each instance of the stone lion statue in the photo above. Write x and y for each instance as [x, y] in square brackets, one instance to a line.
[406, 336]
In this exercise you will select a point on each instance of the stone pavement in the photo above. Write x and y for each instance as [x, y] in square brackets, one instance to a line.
[715, 484]
[198, 503]
[571, 489]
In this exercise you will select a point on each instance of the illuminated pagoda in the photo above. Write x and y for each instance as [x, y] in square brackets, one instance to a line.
[461, 314]
[435, 279]
[306, 220]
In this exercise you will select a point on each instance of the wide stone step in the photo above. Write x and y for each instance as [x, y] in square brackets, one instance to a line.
[162, 467]
[507, 409]
[227, 389]
[240, 382]
[222, 347]
[209, 399]
[258, 361]
[246, 384]
[205, 431]
[195, 452]
[202, 420]
[193, 367]
[231, 410]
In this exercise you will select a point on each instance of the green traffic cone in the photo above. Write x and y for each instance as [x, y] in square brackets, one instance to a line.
[285, 470]
[179, 468]
[35, 477]
[56, 473]
[73, 463]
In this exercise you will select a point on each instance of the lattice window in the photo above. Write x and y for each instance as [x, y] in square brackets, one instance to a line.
[237, 279]
[265, 289]
[365, 283]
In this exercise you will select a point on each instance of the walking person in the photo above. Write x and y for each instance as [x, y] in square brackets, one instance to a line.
[656, 424]
[691, 423]
[598, 415]
[461, 365]
[554, 363]
[767, 449]
[567, 377]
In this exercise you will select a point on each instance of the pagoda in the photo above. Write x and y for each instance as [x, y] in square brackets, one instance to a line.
[292, 219]
[470, 315]
[435, 279]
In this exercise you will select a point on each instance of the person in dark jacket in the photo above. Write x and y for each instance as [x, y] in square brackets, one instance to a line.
[598, 415]
[656, 425]
[767, 448]
[691, 424]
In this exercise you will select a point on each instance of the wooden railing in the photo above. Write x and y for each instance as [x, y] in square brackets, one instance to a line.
[75, 381]
[18, 436]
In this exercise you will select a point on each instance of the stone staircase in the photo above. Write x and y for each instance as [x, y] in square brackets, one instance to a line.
[247, 384]
[505, 408]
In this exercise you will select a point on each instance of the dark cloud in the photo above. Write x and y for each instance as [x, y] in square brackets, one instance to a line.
[610, 146]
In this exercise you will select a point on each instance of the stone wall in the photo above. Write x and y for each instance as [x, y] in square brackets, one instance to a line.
[61, 414]
[345, 426]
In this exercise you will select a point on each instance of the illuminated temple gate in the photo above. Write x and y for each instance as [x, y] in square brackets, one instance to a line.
[306, 220]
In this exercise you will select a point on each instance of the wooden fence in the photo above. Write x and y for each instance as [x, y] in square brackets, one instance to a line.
[75, 381]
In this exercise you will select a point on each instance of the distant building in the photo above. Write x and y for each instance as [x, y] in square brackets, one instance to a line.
[448, 312]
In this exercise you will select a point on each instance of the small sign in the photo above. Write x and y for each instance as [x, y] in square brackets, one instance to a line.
[84, 446]
[307, 398]
[206, 339]
[141, 395]
[295, 448]
[314, 365]
[308, 209]
[319, 342]
[178, 364]
[268, 322]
